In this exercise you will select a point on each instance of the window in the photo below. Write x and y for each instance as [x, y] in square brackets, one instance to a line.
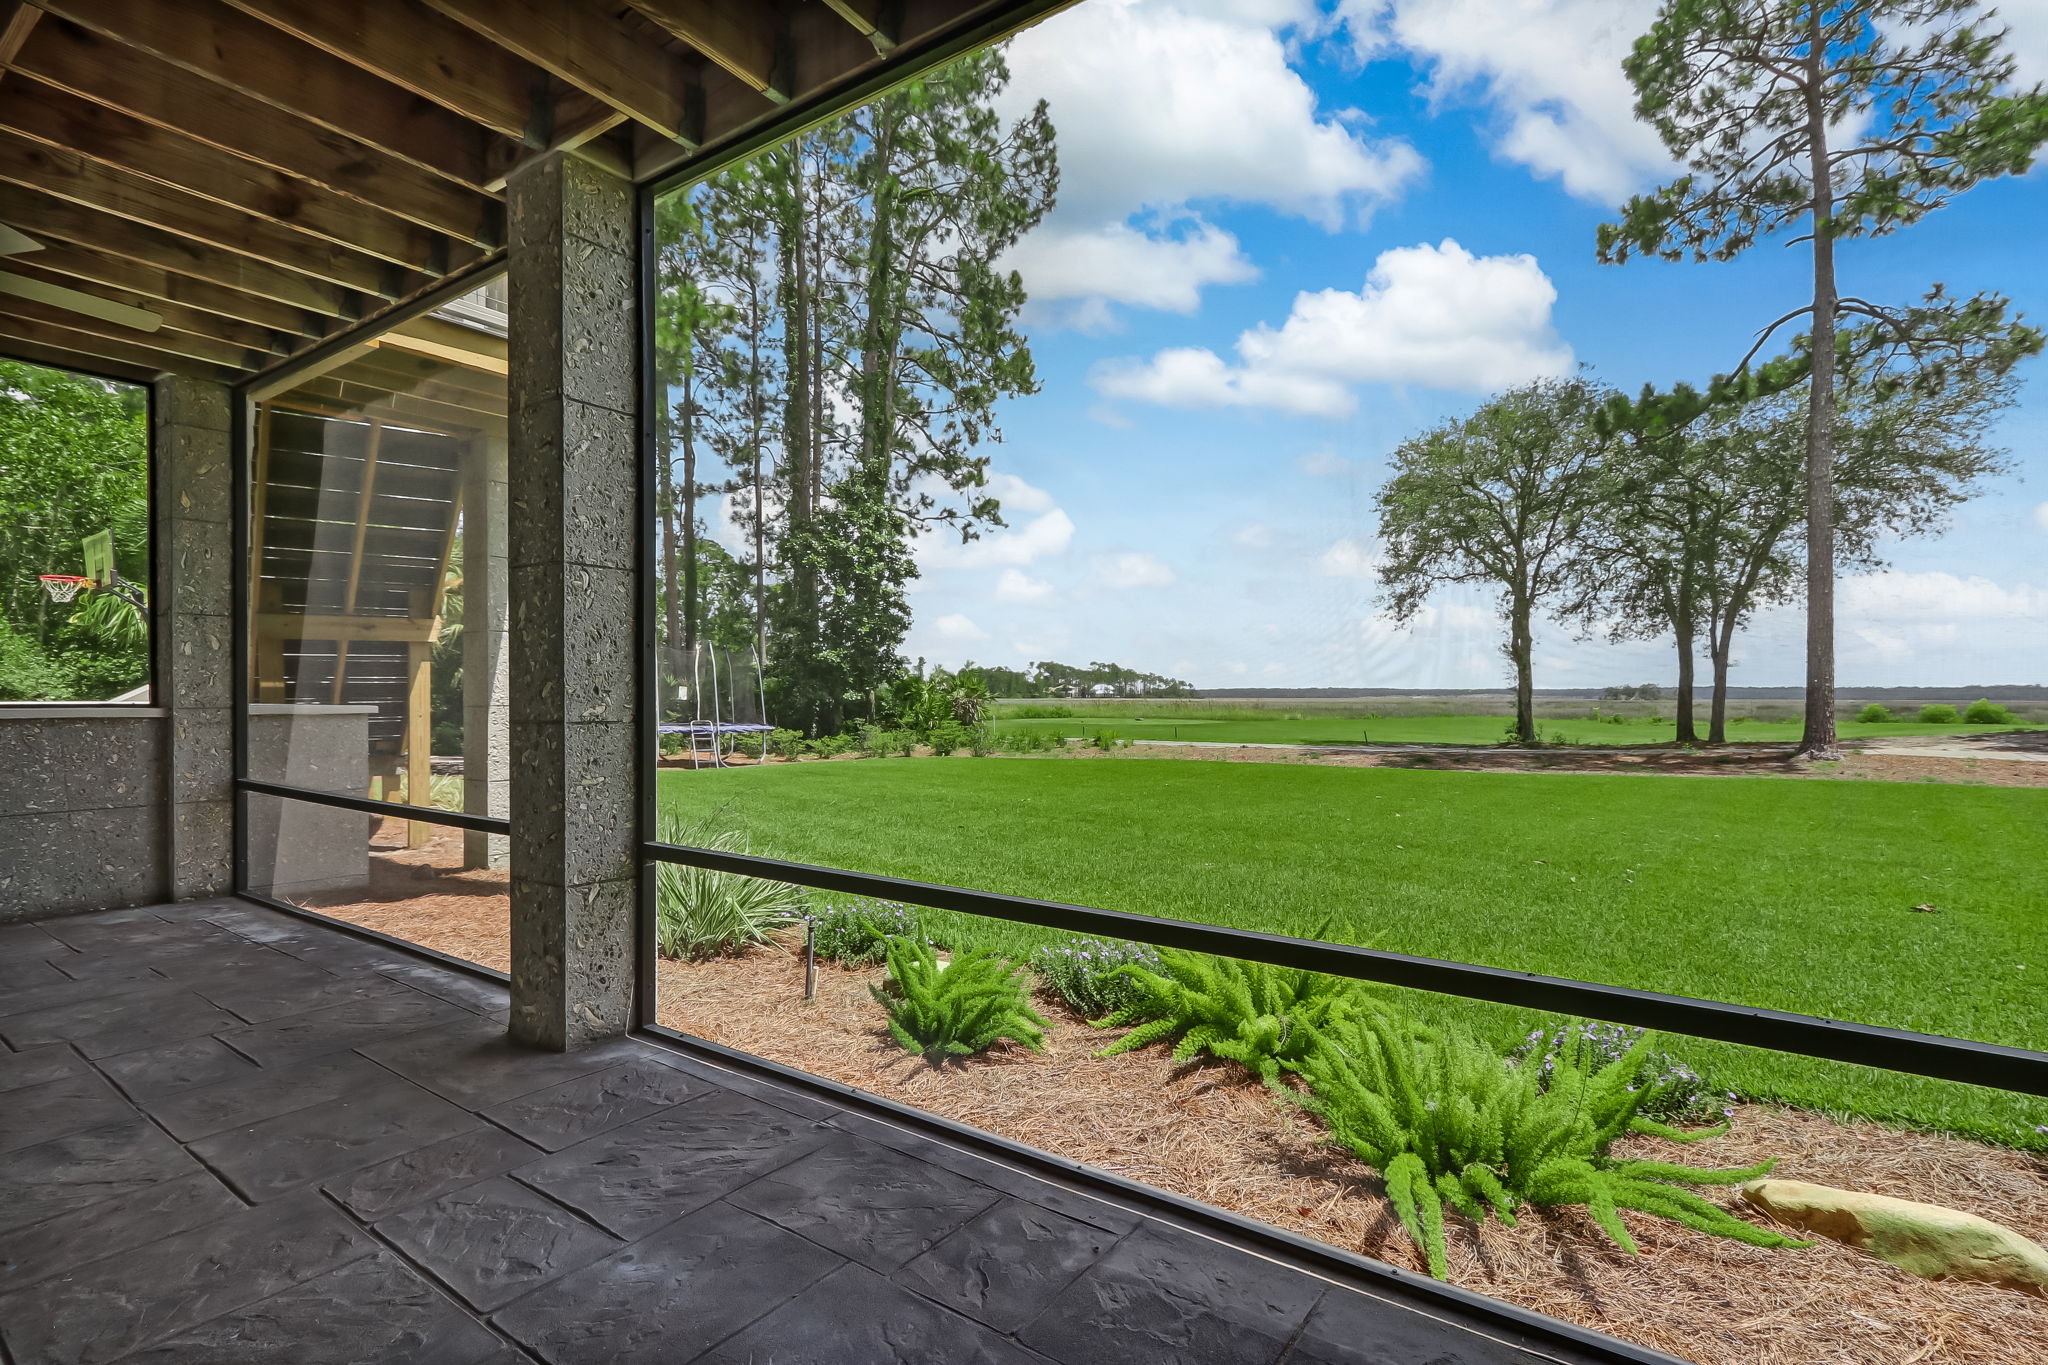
[75, 553]
[377, 611]
[1276, 551]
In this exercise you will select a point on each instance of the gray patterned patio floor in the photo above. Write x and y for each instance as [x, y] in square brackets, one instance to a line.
[228, 1134]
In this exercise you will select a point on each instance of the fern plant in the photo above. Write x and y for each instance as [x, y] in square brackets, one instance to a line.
[1447, 1121]
[1252, 1013]
[939, 1011]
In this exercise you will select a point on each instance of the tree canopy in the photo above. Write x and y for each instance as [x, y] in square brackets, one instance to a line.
[74, 460]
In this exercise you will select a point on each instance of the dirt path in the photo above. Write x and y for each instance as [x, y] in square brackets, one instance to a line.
[1968, 761]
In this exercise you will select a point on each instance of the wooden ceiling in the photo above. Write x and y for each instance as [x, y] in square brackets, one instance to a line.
[262, 174]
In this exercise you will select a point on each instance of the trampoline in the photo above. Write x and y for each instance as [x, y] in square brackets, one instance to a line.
[722, 709]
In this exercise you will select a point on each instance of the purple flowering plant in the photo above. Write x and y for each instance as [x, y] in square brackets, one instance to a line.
[1088, 973]
[857, 932]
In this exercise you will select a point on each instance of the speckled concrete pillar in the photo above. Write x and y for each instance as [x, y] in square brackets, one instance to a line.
[573, 549]
[486, 661]
[195, 641]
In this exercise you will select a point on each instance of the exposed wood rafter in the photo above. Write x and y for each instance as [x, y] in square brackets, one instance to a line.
[743, 39]
[132, 81]
[256, 60]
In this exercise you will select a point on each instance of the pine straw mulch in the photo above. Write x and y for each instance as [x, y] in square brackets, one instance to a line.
[1207, 1132]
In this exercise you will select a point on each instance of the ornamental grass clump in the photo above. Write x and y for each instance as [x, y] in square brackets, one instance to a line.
[1447, 1121]
[700, 913]
[1088, 973]
[857, 933]
[1252, 1013]
[945, 1010]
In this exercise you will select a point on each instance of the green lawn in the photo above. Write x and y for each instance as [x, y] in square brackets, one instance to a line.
[1443, 730]
[1796, 895]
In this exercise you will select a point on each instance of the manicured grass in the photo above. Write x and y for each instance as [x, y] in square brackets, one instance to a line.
[1444, 730]
[1794, 895]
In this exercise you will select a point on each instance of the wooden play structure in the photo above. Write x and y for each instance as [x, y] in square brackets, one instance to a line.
[360, 478]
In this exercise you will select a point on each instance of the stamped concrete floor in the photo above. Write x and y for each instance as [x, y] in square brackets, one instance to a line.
[228, 1134]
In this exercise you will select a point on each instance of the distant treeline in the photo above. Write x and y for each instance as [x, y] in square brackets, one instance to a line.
[1994, 692]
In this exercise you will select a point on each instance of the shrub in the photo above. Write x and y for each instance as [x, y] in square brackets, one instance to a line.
[1106, 740]
[1088, 973]
[785, 743]
[1041, 712]
[981, 740]
[876, 742]
[859, 931]
[1447, 1121]
[1028, 742]
[700, 913]
[1875, 714]
[1252, 1013]
[830, 746]
[956, 1010]
[1681, 1094]
[1938, 715]
[949, 738]
[1986, 712]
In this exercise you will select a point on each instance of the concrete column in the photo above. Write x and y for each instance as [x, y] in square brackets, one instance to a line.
[486, 660]
[195, 640]
[573, 547]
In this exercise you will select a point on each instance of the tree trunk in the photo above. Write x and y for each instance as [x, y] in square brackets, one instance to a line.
[1818, 741]
[1521, 646]
[1719, 650]
[688, 498]
[1686, 629]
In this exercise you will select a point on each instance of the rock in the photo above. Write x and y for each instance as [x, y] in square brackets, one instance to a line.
[1926, 1239]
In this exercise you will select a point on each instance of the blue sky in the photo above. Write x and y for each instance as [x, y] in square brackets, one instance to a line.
[1289, 237]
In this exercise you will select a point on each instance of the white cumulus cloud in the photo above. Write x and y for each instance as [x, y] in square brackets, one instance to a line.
[2041, 516]
[1021, 589]
[1435, 316]
[1548, 70]
[1253, 535]
[957, 629]
[1348, 559]
[1039, 528]
[1133, 569]
[1166, 106]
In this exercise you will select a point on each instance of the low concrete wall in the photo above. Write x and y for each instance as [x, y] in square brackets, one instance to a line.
[296, 847]
[82, 809]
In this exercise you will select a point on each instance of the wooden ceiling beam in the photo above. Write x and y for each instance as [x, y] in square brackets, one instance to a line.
[76, 265]
[870, 19]
[169, 339]
[21, 21]
[584, 44]
[184, 319]
[132, 81]
[742, 38]
[12, 348]
[76, 177]
[83, 344]
[48, 217]
[253, 59]
[63, 121]
[410, 45]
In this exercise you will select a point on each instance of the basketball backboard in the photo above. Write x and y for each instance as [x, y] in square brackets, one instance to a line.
[99, 558]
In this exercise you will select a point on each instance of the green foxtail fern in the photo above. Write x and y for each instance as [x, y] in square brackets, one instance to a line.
[1447, 1121]
[1252, 1013]
[940, 1011]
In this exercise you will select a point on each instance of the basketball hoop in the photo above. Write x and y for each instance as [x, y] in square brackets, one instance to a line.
[62, 587]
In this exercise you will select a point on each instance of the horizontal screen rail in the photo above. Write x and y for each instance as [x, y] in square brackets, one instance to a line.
[1805, 1035]
[396, 810]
